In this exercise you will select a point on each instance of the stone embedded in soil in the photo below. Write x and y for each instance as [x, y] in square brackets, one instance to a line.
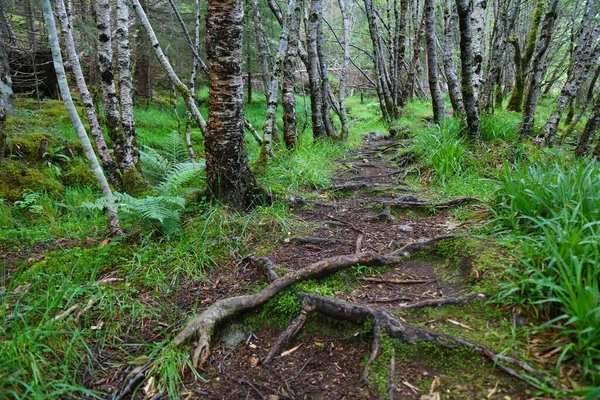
[405, 228]
[233, 335]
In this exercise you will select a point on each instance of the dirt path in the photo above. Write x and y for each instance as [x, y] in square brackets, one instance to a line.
[327, 359]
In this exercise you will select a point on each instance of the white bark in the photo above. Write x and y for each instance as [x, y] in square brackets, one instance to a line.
[346, 14]
[113, 221]
[88, 103]
[179, 86]
[478, 15]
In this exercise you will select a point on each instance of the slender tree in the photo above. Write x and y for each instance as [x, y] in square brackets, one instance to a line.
[228, 175]
[5, 94]
[346, 14]
[314, 77]
[264, 50]
[290, 133]
[113, 220]
[109, 166]
[448, 57]
[432, 63]
[466, 58]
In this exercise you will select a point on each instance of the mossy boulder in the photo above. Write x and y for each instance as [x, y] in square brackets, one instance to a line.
[16, 177]
[78, 174]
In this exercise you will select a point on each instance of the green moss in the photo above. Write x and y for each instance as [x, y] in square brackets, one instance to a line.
[16, 178]
[28, 146]
[78, 174]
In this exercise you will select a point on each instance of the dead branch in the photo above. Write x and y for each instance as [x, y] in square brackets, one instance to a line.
[358, 243]
[391, 373]
[286, 336]
[375, 349]
[442, 302]
[398, 281]
[300, 240]
[266, 265]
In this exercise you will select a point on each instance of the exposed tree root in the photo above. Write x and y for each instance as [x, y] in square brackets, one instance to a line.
[396, 328]
[300, 240]
[414, 202]
[370, 187]
[375, 350]
[391, 386]
[204, 324]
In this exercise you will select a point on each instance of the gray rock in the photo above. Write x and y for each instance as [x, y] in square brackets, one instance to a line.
[233, 335]
[405, 228]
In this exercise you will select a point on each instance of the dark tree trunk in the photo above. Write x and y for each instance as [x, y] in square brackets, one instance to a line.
[264, 51]
[408, 90]
[515, 103]
[466, 58]
[325, 86]
[587, 137]
[537, 70]
[5, 94]
[586, 104]
[228, 175]
[432, 63]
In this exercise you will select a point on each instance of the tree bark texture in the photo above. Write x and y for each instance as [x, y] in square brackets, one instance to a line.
[5, 95]
[588, 100]
[345, 64]
[409, 85]
[448, 58]
[228, 175]
[142, 77]
[110, 167]
[270, 127]
[466, 58]
[314, 76]
[478, 38]
[432, 63]
[325, 86]
[290, 133]
[537, 70]
[131, 170]
[113, 220]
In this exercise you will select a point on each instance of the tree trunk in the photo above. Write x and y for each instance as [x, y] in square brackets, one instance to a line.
[325, 86]
[131, 170]
[142, 75]
[343, 75]
[586, 104]
[228, 175]
[5, 95]
[521, 66]
[264, 51]
[270, 127]
[537, 70]
[110, 167]
[195, 64]
[451, 77]
[31, 29]
[316, 95]
[290, 133]
[401, 46]
[584, 59]
[477, 40]
[113, 220]
[109, 93]
[587, 137]
[388, 106]
[432, 63]
[179, 86]
[408, 90]
[466, 58]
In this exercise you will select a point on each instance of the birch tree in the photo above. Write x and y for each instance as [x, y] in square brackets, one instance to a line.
[290, 133]
[113, 219]
[5, 94]
[448, 60]
[228, 175]
[432, 63]
[109, 166]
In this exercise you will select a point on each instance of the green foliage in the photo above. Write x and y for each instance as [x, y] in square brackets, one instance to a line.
[554, 211]
[29, 202]
[78, 173]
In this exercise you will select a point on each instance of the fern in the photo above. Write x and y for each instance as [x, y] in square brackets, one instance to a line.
[178, 176]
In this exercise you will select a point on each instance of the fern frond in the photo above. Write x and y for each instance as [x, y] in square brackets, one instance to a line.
[177, 152]
[155, 164]
[178, 176]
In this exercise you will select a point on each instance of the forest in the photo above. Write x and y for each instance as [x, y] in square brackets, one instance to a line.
[301, 199]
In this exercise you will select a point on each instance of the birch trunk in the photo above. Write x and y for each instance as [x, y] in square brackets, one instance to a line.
[5, 95]
[228, 175]
[109, 93]
[451, 77]
[270, 127]
[110, 167]
[585, 59]
[478, 38]
[290, 133]
[263, 48]
[343, 75]
[316, 95]
[586, 104]
[466, 58]
[179, 86]
[410, 76]
[113, 220]
[537, 70]
[131, 171]
[432, 63]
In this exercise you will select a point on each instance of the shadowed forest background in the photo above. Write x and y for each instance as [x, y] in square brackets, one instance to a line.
[302, 199]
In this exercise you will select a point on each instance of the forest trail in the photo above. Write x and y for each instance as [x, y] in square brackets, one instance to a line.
[366, 208]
